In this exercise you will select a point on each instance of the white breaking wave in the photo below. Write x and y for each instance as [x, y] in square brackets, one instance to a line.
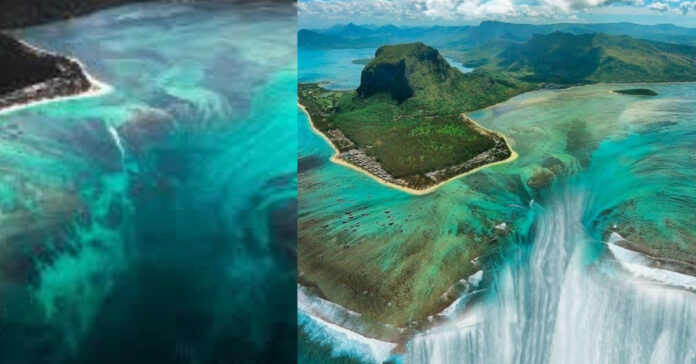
[640, 265]
[320, 319]
[557, 308]
[343, 341]
[117, 141]
[460, 303]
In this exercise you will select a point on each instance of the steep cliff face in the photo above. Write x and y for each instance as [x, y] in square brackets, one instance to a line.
[386, 77]
[403, 70]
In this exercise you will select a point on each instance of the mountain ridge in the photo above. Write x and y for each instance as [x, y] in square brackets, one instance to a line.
[466, 36]
[568, 58]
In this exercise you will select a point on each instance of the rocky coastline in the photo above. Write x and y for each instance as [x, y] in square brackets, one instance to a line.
[33, 75]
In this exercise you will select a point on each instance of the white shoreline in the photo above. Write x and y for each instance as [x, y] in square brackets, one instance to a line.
[324, 309]
[96, 89]
[460, 304]
[379, 350]
[336, 314]
[335, 318]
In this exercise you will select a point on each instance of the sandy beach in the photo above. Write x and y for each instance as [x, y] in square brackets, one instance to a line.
[335, 158]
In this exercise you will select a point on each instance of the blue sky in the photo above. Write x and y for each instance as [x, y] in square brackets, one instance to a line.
[324, 13]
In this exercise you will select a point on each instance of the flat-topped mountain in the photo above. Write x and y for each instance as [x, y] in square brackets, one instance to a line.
[404, 124]
[29, 74]
[569, 58]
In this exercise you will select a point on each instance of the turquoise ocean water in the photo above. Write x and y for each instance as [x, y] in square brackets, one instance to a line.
[156, 223]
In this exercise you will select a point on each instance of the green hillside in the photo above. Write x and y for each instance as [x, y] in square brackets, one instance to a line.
[568, 58]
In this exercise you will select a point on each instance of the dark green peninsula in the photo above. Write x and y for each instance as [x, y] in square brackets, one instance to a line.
[405, 123]
[637, 92]
[31, 75]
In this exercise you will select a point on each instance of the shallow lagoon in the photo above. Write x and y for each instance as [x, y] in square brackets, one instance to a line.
[618, 152]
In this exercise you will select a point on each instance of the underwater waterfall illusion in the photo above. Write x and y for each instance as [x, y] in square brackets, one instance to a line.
[558, 304]
[562, 294]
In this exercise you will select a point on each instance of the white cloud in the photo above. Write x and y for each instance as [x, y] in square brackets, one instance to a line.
[440, 8]
[401, 10]
[568, 5]
[687, 7]
[378, 9]
[658, 6]
[422, 9]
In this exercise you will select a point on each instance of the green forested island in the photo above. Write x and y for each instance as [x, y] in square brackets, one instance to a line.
[362, 61]
[637, 92]
[405, 124]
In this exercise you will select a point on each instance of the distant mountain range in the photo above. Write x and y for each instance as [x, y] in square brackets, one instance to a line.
[466, 37]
